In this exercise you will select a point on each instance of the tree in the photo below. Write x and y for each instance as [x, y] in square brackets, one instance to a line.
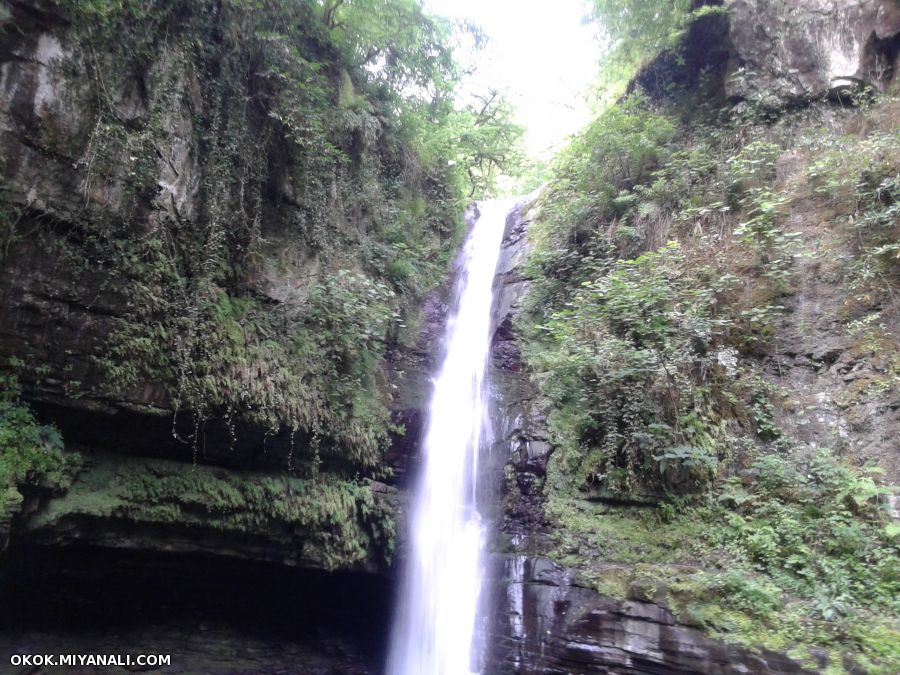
[408, 58]
[489, 143]
[636, 29]
[395, 42]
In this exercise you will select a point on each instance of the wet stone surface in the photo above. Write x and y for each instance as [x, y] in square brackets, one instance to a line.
[544, 622]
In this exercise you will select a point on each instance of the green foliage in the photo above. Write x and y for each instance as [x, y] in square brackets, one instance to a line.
[407, 57]
[613, 154]
[659, 273]
[637, 29]
[613, 365]
[817, 529]
[794, 552]
[640, 351]
[403, 47]
[753, 595]
[866, 172]
[322, 377]
[489, 141]
[640, 376]
[326, 145]
[28, 450]
[698, 463]
[31, 456]
[635, 343]
[468, 146]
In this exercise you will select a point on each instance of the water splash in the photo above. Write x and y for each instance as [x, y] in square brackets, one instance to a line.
[436, 622]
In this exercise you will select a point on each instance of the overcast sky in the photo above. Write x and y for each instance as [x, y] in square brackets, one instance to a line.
[540, 54]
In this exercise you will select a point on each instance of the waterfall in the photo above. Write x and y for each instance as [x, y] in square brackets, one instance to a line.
[435, 626]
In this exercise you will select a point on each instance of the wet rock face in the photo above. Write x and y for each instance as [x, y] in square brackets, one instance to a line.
[808, 49]
[518, 461]
[77, 168]
[48, 115]
[829, 374]
[134, 167]
[413, 370]
[545, 623]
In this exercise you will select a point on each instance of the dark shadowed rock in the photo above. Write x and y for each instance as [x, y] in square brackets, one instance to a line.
[700, 60]
[545, 623]
[212, 615]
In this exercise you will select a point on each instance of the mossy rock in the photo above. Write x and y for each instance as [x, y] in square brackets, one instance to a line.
[644, 589]
[327, 522]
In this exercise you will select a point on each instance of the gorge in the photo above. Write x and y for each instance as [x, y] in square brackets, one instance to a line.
[261, 326]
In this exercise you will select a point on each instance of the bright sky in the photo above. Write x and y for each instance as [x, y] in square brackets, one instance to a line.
[540, 55]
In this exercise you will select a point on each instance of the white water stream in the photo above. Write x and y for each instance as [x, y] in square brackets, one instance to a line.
[435, 627]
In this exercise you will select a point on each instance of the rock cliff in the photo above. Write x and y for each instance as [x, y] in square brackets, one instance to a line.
[187, 270]
[626, 591]
[778, 54]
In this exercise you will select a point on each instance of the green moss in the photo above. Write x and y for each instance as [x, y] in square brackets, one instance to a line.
[618, 534]
[797, 559]
[612, 581]
[330, 523]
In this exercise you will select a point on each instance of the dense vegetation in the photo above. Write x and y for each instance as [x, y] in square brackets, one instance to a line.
[665, 247]
[31, 454]
[635, 31]
[257, 196]
[328, 148]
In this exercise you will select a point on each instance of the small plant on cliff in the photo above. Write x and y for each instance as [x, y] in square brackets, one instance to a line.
[29, 452]
[25, 446]
[10, 215]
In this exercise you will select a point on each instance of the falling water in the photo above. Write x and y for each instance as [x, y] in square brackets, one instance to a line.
[437, 616]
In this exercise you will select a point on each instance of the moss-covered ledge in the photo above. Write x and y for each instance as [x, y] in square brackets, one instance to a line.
[153, 504]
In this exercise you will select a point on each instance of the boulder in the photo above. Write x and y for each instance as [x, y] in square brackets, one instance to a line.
[809, 49]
